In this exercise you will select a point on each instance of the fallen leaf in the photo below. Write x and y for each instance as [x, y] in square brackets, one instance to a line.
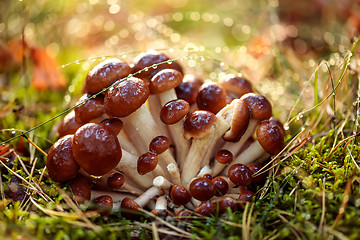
[46, 74]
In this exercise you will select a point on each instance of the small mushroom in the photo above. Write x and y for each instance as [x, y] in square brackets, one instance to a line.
[68, 125]
[103, 205]
[147, 163]
[211, 97]
[240, 174]
[115, 181]
[221, 186]
[235, 86]
[159, 145]
[160, 209]
[206, 209]
[96, 148]
[189, 88]
[180, 195]
[202, 189]
[60, 162]
[104, 74]
[80, 189]
[92, 109]
[226, 203]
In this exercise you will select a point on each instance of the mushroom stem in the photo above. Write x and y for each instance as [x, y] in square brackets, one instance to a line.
[126, 144]
[144, 198]
[198, 155]
[155, 108]
[162, 183]
[128, 165]
[235, 148]
[145, 126]
[116, 196]
[249, 155]
[176, 130]
[161, 203]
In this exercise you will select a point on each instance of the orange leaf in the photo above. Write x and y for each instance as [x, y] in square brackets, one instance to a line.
[46, 74]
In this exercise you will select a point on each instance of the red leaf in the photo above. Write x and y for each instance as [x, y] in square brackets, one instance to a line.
[46, 74]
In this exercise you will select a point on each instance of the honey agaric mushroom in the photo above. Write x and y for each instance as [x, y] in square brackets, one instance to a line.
[68, 125]
[180, 195]
[126, 100]
[202, 189]
[211, 97]
[80, 189]
[205, 128]
[172, 114]
[226, 203]
[188, 90]
[115, 181]
[221, 186]
[260, 109]
[255, 167]
[159, 145]
[147, 163]
[160, 209]
[60, 161]
[103, 205]
[162, 88]
[235, 86]
[270, 140]
[104, 74]
[224, 156]
[206, 209]
[90, 110]
[135, 205]
[96, 148]
[150, 58]
[240, 174]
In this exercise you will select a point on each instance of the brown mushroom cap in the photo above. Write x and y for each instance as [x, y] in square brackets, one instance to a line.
[260, 106]
[227, 202]
[104, 205]
[104, 74]
[162, 213]
[221, 185]
[130, 208]
[184, 215]
[164, 80]
[159, 145]
[173, 111]
[198, 124]
[90, 109]
[189, 88]
[208, 176]
[180, 195]
[60, 161]
[68, 125]
[246, 196]
[126, 97]
[206, 209]
[115, 181]
[202, 189]
[279, 123]
[224, 156]
[235, 86]
[270, 137]
[96, 148]
[240, 174]
[239, 121]
[254, 167]
[149, 58]
[114, 124]
[211, 97]
[80, 189]
[147, 162]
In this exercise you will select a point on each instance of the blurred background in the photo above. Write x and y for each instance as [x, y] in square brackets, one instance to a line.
[47, 47]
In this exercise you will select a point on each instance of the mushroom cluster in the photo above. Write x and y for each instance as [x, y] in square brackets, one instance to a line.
[158, 139]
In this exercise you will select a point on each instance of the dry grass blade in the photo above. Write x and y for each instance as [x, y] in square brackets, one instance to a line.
[155, 232]
[344, 202]
[323, 202]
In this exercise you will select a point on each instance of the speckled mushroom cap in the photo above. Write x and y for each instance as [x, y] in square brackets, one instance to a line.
[270, 137]
[239, 121]
[198, 124]
[235, 86]
[96, 148]
[260, 106]
[149, 58]
[90, 109]
[173, 111]
[211, 97]
[60, 162]
[104, 74]
[68, 125]
[164, 80]
[126, 97]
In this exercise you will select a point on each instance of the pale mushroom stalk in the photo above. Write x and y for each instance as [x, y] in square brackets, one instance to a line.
[144, 198]
[197, 156]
